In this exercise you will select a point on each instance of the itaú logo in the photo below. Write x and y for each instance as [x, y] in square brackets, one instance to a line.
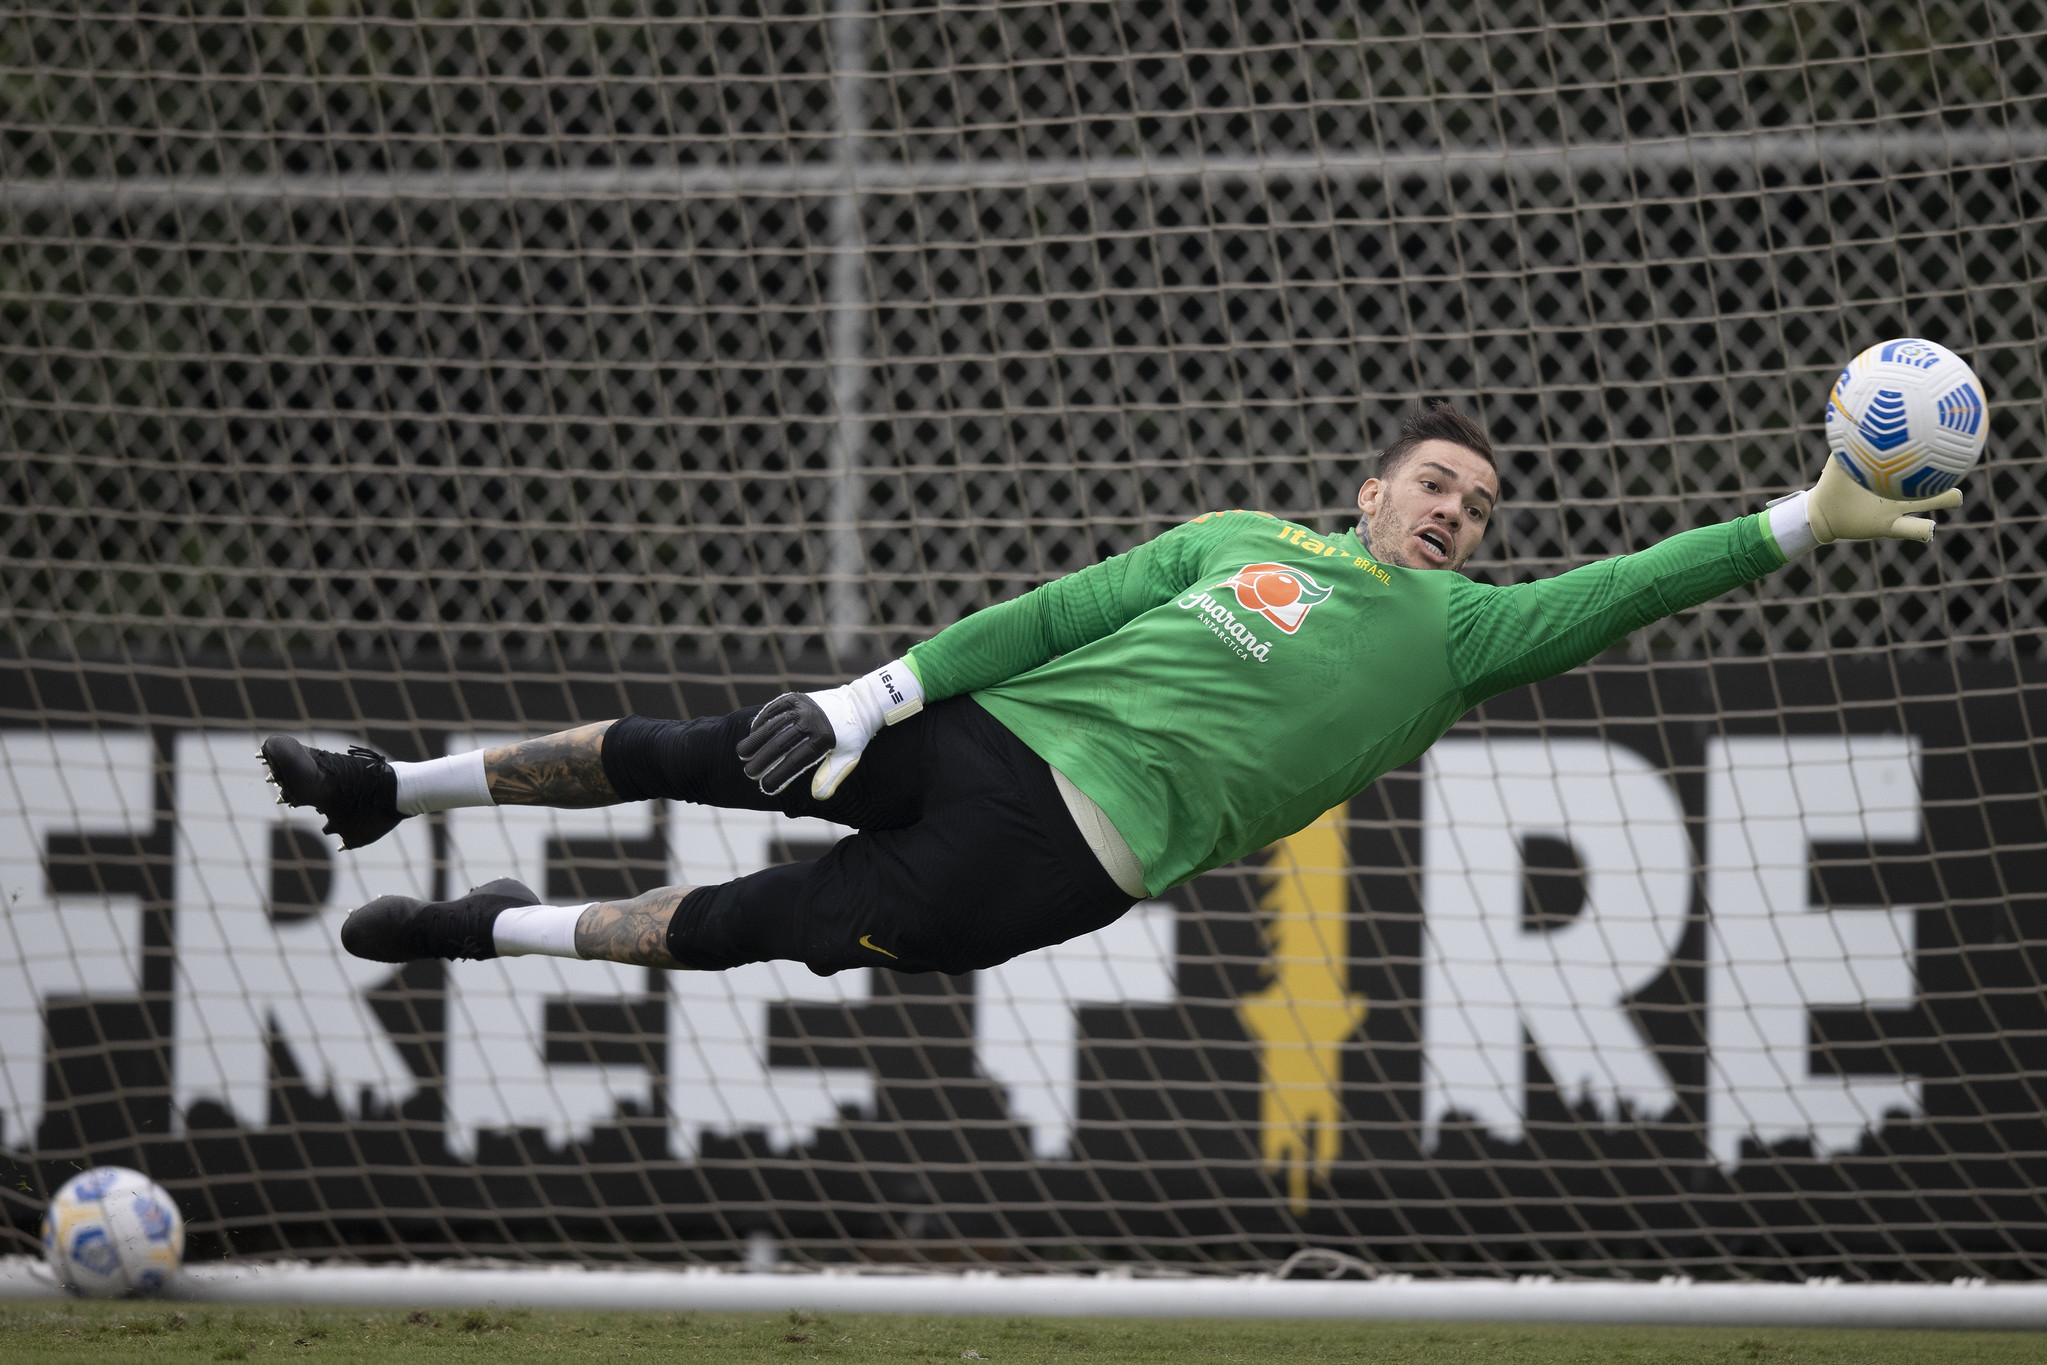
[1280, 594]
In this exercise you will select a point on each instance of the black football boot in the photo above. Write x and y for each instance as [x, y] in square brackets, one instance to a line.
[401, 929]
[356, 791]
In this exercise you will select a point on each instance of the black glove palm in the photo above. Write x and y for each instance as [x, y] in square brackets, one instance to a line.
[790, 736]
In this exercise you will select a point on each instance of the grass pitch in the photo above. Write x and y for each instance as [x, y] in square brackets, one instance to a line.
[102, 1332]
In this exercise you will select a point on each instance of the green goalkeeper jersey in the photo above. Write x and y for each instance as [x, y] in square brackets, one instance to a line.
[1221, 686]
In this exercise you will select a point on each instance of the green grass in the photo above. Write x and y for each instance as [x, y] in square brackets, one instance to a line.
[102, 1332]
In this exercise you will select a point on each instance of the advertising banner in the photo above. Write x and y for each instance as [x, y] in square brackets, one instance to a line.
[1659, 969]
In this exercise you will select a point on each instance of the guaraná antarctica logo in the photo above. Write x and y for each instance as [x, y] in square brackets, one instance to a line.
[1283, 595]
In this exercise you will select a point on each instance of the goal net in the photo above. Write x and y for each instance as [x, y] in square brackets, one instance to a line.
[468, 371]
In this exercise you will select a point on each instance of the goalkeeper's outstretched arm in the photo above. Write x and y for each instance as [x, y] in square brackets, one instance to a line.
[1507, 637]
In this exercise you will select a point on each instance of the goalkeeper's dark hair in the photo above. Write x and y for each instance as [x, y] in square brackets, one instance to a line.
[1434, 420]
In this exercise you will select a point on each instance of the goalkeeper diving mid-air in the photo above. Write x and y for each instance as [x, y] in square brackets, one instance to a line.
[1029, 774]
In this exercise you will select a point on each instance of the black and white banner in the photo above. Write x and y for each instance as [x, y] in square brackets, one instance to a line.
[1730, 967]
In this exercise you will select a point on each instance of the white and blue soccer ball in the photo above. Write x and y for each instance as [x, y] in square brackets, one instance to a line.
[1907, 419]
[113, 1232]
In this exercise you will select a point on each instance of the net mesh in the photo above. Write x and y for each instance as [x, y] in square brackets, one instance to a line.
[415, 375]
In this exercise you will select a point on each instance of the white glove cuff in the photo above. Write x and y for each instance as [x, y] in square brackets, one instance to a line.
[859, 709]
[888, 694]
[1791, 525]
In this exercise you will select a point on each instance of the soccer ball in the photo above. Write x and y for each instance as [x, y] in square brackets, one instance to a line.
[1907, 419]
[113, 1231]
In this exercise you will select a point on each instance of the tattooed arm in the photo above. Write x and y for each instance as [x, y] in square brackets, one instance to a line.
[633, 931]
[565, 769]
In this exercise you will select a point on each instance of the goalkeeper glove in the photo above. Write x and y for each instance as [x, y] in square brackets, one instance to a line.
[1841, 509]
[828, 730]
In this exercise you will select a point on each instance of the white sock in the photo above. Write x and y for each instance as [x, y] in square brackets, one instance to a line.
[1790, 527]
[442, 783]
[548, 930]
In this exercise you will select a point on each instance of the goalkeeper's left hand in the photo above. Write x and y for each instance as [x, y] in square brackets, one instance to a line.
[828, 730]
[1842, 509]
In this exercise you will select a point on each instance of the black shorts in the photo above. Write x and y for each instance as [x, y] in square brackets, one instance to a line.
[965, 857]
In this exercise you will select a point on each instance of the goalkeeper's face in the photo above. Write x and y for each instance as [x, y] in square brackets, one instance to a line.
[1431, 511]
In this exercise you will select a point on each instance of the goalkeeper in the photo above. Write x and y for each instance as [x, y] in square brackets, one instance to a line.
[1027, 775]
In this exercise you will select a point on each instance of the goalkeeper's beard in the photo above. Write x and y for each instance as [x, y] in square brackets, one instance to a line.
[1382, 537]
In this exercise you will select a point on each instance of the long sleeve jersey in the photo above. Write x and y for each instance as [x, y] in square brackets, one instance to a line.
[1219, 687]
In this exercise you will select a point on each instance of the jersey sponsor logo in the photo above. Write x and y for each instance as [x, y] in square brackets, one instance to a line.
[1223, 623]
[1282, 595]
[867, 941]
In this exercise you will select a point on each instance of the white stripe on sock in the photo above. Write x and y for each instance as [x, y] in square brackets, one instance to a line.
[546, 930]
[442, 783]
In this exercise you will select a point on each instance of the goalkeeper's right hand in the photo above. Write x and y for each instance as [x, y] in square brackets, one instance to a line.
[828, 730]
[1841, 509]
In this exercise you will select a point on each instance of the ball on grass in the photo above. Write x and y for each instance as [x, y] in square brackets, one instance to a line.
[112, 1232]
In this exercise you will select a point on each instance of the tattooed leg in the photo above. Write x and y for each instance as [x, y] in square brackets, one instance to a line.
[633, 931]
[565, 770]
